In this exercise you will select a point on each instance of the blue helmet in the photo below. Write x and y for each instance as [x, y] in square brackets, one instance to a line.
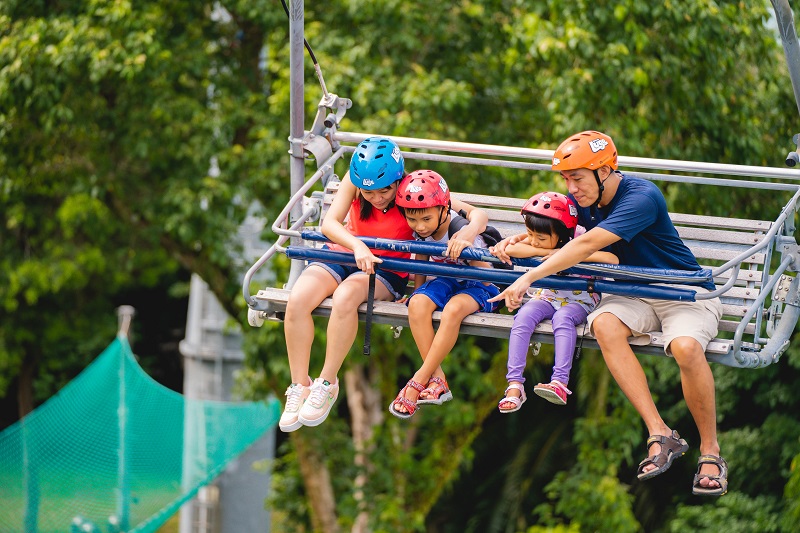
[376, 163]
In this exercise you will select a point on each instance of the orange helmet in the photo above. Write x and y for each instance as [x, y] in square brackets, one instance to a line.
[587, 149]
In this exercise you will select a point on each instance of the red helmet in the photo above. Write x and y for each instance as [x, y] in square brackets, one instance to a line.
[552, 205]
[421, 189]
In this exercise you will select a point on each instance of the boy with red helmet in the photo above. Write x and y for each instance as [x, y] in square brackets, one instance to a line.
[424, 198]
[628, 216]
[551, 220]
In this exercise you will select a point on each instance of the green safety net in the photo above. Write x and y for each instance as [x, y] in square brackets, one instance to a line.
[116, 451]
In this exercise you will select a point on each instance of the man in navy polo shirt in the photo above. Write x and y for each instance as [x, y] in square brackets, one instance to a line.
[628, 217]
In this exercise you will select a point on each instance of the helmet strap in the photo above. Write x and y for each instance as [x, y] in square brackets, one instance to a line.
[444, 209]
[602, 188]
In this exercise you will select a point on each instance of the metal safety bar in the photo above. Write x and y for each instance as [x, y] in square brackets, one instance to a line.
[547, 155]
[504, 277]
[619, 272]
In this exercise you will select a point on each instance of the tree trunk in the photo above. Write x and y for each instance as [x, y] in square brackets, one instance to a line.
[25, 388]
[365, 413]
[317, 481]
[30, 474]
[601, 379]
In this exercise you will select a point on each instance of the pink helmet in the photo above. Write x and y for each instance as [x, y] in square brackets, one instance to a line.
[421, 189]
[552, 205]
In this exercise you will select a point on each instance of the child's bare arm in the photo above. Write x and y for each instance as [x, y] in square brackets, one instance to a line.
[499, 249]
[419, 279]
[478, 218]
[483, 264]
[523, 249]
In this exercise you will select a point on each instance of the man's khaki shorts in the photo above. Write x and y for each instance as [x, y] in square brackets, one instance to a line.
[643, 316]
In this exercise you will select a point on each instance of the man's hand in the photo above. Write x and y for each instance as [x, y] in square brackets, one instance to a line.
[513, 294]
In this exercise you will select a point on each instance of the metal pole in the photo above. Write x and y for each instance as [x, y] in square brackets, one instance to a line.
[296, 115]
[785, 19]
[125, 314]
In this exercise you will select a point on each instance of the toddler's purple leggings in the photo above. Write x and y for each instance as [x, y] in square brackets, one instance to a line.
[527, 318]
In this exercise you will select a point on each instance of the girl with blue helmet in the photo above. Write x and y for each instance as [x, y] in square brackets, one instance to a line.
[365, 206]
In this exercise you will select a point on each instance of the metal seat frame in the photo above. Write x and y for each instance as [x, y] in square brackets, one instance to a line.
[761, 299]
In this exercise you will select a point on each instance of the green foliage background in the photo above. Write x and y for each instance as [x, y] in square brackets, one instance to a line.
[135, 135]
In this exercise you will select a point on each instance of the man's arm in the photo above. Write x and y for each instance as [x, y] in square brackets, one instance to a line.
[574, 252]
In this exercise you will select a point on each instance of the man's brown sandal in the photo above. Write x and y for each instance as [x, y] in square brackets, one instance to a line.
[672, 447]
[722, 478]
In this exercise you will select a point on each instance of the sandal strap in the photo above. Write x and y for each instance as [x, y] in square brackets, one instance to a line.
[436, 387]
[662, 439]
[414, 385]
[721, 477]
[439, 381]
[516, 400]
[713, 460]
[558, 385]
[670, 444]
[517, 386]
[411, 407]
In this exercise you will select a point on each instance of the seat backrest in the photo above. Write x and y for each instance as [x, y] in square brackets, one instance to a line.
[713, 241]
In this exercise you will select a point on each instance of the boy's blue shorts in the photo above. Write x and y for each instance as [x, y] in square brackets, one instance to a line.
[441, 289]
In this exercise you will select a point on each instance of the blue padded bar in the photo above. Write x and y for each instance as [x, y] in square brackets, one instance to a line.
[618, 272]
[503, 277]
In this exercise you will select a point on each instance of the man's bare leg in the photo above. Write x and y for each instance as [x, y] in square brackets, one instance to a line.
[698, 390]
[612, 336]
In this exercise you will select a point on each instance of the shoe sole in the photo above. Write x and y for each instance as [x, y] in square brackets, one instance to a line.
[549, 395]
[444, 397]
[291, 427]
[711, 492]
[315, 422]
[400, 414]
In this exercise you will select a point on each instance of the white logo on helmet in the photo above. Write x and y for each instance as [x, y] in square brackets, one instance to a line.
[597, 145]
[396, 154]
[545, 198]
[413, 188]
[556, 161]
[443, 185]
[367, 182]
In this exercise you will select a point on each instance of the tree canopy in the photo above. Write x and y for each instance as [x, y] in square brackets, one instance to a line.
[135, 137]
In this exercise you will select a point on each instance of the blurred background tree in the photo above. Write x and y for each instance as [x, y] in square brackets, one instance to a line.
[135, 137]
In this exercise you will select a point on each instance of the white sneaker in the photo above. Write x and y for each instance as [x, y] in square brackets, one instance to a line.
[296, 394]
[320, 400]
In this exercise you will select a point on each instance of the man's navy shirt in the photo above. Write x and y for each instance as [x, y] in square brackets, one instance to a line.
[638, 216]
